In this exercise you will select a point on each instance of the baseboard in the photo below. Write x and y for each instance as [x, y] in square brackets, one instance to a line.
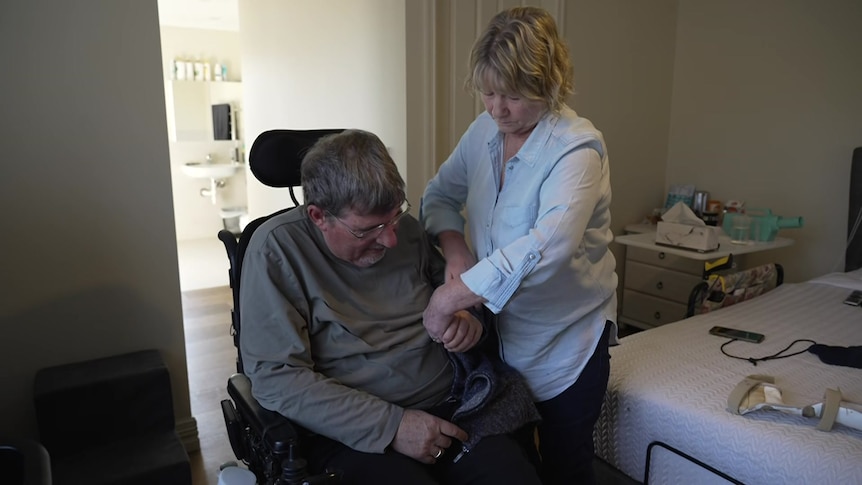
[187, 428]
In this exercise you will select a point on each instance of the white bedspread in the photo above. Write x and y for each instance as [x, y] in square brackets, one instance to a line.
[671, 384]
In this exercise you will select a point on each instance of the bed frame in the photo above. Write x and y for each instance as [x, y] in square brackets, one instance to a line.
[853, 255]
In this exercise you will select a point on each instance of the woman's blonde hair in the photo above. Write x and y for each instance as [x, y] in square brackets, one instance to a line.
[521, 53]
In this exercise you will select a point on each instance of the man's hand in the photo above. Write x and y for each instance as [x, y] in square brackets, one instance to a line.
[445, 302]
[463, 332]
[425, 437]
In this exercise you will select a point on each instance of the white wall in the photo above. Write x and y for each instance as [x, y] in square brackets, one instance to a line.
[623, 56]
[310, 64]
[196, 216]
[767, 108]
[89, 260]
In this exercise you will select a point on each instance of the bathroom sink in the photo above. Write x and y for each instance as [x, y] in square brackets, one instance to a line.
[206, 170]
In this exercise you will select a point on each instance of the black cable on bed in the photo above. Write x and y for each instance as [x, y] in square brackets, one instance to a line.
[775, 356]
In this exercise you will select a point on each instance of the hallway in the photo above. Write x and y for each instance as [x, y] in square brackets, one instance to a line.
[203, 263]
[211, 359]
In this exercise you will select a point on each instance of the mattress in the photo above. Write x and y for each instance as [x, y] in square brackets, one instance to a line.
[670, 385]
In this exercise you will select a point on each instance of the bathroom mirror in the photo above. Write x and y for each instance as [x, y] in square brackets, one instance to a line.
[190, 109]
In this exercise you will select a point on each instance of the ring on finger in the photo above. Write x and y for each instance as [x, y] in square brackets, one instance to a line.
[438, 454]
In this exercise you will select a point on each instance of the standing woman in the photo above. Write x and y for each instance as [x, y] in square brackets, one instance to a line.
[535, 181]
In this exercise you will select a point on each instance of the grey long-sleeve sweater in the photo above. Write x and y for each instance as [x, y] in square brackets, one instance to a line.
[338, 349]
[341, 350]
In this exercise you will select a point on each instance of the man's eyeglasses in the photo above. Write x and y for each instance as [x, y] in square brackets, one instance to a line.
[376, 230]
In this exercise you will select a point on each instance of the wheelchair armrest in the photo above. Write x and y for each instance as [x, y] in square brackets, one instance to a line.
[235, 430]
[277, 432]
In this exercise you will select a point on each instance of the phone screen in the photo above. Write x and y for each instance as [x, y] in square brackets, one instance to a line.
[737, 334]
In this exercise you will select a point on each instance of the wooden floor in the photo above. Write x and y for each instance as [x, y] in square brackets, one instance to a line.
[211, 359]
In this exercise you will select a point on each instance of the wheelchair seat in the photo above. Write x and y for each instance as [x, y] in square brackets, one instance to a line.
[268, 443]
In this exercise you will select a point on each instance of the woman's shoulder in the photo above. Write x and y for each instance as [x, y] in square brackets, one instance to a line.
[570, 121]
[570, 129]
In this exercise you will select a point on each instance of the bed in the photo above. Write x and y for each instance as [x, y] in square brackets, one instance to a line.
[664, 417]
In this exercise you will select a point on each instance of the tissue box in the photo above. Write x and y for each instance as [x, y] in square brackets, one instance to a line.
[686, 236]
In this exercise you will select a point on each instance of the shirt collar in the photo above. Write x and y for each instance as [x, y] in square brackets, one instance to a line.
[529, 152]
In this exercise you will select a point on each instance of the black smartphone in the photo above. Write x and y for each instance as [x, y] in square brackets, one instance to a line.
[737, 334]
[854, 299]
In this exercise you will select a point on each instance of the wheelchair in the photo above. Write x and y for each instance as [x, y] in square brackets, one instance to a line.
[269, 444]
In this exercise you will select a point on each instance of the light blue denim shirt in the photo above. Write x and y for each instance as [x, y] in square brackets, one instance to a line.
[542, 241]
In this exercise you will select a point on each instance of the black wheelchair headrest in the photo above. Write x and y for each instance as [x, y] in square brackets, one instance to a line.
[276, 155]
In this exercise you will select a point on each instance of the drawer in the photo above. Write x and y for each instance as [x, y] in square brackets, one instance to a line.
[651, 310]
[665, 260]
[660, 282]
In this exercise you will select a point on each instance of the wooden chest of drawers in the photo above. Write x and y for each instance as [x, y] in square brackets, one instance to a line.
[656, 287]
[659, 279]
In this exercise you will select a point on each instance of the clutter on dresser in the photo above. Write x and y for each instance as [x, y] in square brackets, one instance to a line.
[681, 227]
[757, 225]
[677, 193]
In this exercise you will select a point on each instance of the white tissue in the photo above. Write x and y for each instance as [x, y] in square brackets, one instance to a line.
[680, 227]
[680, 213]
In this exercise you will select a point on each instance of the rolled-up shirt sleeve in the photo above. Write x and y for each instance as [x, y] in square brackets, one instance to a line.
[535, 237]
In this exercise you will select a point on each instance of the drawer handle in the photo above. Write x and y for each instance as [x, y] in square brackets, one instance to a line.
[657, 315]
[661, 255]
[659, 285]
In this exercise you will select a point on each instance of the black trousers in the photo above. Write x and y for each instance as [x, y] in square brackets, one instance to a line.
[495, 460]
[566, 430]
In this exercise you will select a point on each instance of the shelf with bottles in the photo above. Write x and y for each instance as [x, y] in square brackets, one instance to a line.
[198, 69]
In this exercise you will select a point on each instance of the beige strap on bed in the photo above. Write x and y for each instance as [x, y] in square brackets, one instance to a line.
[828, 410]
[734, 401]
[831, 403]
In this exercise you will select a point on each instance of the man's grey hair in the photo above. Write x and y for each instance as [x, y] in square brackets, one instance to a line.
[351, 170]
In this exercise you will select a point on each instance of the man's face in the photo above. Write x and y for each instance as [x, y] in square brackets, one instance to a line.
[378, 233]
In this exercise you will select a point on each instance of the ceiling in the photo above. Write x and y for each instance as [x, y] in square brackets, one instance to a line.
[200, 14]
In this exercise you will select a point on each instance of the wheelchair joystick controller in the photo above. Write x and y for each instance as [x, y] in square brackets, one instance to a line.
[293, 469]
[294, 472]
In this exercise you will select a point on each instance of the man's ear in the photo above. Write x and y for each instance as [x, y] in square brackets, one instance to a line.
[317, 215]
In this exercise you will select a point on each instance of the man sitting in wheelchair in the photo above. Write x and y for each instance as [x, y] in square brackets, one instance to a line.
[332, 295]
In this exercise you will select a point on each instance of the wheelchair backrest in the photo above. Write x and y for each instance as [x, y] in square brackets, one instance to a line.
[275, 160]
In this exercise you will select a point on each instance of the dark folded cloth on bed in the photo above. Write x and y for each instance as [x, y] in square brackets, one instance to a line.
[835, 355]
